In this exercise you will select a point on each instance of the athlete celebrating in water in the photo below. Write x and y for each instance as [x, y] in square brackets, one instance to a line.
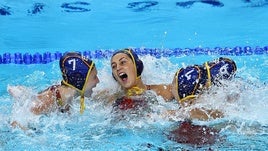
[79, 78]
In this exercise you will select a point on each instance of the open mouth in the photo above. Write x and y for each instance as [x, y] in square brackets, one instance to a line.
[123, 76]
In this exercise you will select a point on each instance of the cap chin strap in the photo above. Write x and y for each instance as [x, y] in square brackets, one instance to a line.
[82, 98]
[208, 84]
[82, 92]
[82, 103]
[135, 91]
[133, 60]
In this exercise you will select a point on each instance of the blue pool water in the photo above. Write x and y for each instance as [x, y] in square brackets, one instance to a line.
[49, 26]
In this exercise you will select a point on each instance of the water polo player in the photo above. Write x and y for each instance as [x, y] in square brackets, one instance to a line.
[190, 82]
[79, 78]
[126, 70]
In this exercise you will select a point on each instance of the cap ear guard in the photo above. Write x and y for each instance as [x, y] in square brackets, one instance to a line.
[139, 66]
[77, 80]
[187, 82]
[75, 72]
[138, 63]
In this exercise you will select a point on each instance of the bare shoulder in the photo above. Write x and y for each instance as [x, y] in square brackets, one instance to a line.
[163, 90]
[160, 87]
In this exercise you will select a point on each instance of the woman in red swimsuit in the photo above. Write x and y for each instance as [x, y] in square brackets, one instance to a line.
[127, 69]
[135, 100]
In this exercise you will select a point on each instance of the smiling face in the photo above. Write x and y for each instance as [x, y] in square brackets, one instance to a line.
[124, 70]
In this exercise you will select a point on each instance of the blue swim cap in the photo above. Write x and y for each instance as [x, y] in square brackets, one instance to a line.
[191, 80]
[135, 59]
[222, 68]
[75, 69]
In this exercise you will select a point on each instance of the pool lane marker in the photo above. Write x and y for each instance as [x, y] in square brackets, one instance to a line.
[47, 57]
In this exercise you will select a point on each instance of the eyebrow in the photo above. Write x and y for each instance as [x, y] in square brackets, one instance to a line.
[119, 60]
[122, 58]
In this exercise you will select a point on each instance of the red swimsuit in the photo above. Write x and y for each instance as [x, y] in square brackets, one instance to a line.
[61, 107]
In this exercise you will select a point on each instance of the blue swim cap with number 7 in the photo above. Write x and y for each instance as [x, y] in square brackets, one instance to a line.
[75, 69]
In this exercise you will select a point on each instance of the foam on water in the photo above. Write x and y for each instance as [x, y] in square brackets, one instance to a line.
[243, 101]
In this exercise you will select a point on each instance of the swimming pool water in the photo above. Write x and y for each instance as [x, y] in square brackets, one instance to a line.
[115, 25]
[112, 25]
[243, 128]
